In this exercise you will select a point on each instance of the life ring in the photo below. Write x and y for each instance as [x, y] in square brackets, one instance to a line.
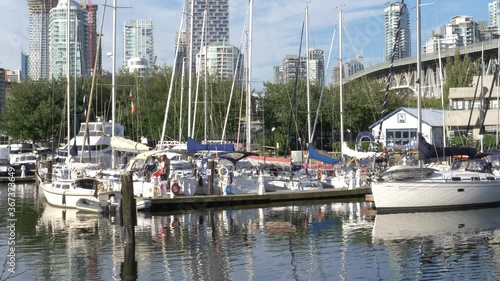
[223, 171]
[175, 188]
[156, 191]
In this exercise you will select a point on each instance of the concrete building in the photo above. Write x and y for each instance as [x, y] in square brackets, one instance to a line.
[399, 128]
[460, 31]
[494, 15]
[38, 44]
[349, 68]
[13, 76]
[140, 66]
[216, 24]
[138, 41]
[392, 13]
[222, 60]
[286, 73]
[465, 110]
[317, 66]
[78, 40]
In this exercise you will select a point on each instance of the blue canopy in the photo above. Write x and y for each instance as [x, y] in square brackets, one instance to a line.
[193, 146]
[314, 154]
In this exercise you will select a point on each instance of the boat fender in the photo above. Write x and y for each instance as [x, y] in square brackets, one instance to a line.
[320, 174]
[175, 188]
[231, 177]
[64, 198]
[156, 191]
[200, 181]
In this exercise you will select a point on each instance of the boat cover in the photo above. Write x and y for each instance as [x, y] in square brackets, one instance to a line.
[314, 154]
[428, 151]
[193, 146]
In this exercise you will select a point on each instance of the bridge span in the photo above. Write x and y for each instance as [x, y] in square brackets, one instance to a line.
[404, 71]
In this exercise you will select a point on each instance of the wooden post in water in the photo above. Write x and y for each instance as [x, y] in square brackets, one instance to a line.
[128, 215]
[48, 164]
[128, 207]
[37, 170]
[211, 172]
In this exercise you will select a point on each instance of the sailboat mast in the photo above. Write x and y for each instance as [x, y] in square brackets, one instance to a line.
[113, 84]
[191, 21]
[341, 82]
[419, 73]
[75, 132]
[249, 81]
[68, 111]
[442, 91]
[182, 95]
[308, 78]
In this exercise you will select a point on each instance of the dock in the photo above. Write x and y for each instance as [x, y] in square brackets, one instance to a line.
[199, 202]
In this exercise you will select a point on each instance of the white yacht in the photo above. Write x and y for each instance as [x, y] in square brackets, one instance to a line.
[98, 144]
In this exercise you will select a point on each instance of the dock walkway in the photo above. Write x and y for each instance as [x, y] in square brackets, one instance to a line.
[211, 201]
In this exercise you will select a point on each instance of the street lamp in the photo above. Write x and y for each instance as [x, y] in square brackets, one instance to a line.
[274, 141]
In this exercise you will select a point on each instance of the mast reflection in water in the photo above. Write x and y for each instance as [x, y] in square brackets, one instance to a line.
[322, 240]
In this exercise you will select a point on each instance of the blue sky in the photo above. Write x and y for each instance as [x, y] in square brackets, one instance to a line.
[276, 31]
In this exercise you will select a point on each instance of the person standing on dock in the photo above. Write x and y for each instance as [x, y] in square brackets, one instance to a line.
[164, 167]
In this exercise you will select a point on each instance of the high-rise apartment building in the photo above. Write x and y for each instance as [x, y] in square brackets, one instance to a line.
[287, 72]
[138, 41]
[392, 13]
[460, 31]
[317, 66]
[494, 15]
[216, 23]
[38, 45]
[92, 32]
[222, 60]
[78, 40]
[182, 49]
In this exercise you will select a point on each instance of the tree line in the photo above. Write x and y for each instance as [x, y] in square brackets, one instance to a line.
[36, 110]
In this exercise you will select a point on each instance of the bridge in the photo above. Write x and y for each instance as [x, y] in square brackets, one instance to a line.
[404, 71]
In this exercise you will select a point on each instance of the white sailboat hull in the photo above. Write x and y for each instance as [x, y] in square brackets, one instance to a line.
[65, 199]
[434, 194]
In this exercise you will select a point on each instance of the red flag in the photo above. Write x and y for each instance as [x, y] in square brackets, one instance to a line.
[132, 107]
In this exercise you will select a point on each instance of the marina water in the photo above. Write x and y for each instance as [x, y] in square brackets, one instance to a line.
[315, 240]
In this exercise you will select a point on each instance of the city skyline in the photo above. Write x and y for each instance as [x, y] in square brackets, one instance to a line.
[276, 31]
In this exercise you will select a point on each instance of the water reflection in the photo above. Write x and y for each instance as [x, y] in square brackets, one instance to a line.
[451, 245]
[320, 240]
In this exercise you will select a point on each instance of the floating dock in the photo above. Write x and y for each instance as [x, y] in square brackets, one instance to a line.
[212, 201]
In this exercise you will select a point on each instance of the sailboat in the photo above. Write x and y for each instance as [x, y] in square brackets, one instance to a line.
[468, 183]
[66, 192]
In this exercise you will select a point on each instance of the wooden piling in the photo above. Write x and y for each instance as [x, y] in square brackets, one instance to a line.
[128, 208]
[128, 268]
[37, 170]
[48, 164]
[211, 174]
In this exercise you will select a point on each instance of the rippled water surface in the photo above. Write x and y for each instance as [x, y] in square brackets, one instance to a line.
[320, 240]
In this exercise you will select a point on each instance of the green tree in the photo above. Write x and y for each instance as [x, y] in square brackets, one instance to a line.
[34, 110]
